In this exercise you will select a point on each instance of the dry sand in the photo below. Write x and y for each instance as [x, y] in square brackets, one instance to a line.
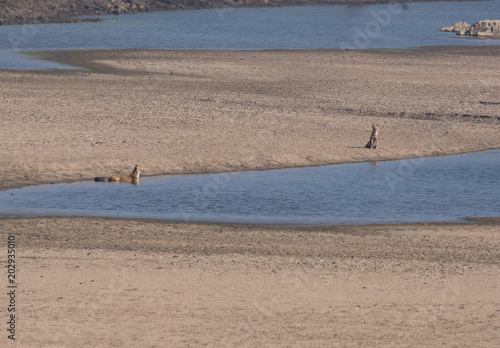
[191, 112]
[109, 282]
[104, 282]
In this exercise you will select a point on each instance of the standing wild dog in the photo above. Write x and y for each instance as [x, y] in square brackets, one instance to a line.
[372, 144]
[132, 177]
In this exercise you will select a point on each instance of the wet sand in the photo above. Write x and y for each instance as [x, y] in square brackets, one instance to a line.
[112, 282]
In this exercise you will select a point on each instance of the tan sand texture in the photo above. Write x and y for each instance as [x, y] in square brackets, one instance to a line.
[122, 283]
[192, 112]
[89, 282]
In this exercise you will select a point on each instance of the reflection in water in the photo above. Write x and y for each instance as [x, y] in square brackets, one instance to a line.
[415, 190]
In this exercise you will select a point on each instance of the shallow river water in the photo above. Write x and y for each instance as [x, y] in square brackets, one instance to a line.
[430, 189]
[443, 189]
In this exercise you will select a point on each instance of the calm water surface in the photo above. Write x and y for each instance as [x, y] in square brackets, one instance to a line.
[432, 189]
[443, 189]
[308, 27]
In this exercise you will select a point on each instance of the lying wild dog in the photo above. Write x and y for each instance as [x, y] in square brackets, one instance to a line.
[132, 177]
[373, 142]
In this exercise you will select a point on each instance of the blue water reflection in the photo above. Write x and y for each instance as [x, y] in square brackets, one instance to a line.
[443, 189]
[303, 27]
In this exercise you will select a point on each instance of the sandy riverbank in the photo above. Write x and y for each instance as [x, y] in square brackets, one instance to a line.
[192, 112]
[118, 283]
[107, 282]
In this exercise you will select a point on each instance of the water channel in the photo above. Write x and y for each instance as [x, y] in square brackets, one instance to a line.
[444, 189]
[303, 27]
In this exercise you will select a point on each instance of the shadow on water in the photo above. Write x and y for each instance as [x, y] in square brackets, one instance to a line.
[436, 189]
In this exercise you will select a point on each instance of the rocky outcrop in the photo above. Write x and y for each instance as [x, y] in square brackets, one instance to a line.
[458, 27]
[481, 28]
[484, 28]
